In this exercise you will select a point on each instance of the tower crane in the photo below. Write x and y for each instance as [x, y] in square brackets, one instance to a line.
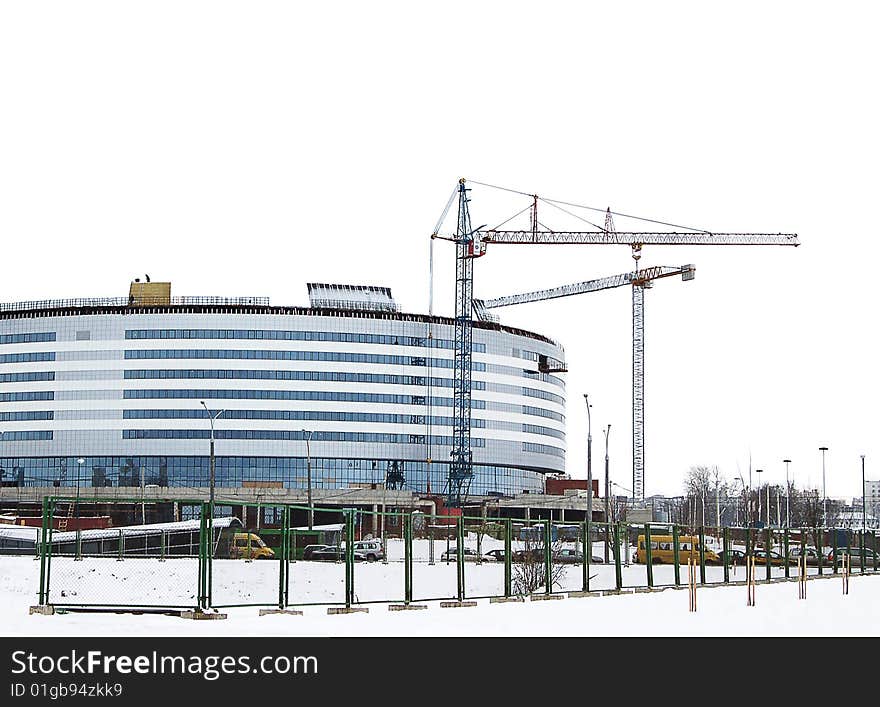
[472, 243]
[639, 280]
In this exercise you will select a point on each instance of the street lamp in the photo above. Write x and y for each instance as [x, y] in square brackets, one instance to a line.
[758, 472]
[308, 435]
[79, 463]
[864, 507]
[824, 496]
[211, 418]
[607, 487]
[589, 461]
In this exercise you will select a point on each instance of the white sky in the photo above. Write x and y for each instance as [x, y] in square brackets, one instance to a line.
[249, 148]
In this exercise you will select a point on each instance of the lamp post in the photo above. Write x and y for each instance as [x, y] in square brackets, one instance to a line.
[787, 495]
[864, 506]
[824, 496]
[211, 418]
[308, 435]
[758, 472]
[79, 463]
[607, 486]
[589, 461]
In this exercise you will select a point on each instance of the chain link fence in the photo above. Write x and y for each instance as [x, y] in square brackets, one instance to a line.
[284, 555]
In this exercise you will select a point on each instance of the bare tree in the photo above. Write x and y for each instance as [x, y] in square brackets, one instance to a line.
[530, 569]
[699, 483]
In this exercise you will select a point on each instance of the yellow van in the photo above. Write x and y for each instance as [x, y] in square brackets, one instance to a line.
[249, 546]
[662, 550]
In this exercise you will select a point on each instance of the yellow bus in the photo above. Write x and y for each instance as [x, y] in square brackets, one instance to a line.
[662, 550]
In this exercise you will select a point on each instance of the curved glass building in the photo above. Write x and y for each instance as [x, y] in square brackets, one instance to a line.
[118, 392]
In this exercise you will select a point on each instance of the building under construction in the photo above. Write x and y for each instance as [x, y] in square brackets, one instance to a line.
[346, 396]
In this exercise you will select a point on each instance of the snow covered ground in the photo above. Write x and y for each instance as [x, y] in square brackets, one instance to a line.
[721, 611]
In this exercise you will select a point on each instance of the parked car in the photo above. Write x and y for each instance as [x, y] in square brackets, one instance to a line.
[371, 549]
[308, 550]
[535, 554]
[737, 556]
[336, 554]
[855, 556]
[810, 553]
[761, 557]
[494, 556]
[451, 554]
[568, 556]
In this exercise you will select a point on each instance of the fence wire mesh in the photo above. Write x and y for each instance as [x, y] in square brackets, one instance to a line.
[264, 554]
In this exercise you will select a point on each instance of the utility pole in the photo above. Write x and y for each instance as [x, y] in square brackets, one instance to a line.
[308, 435]
[212, 482]
[824, 496]
[589, 464]
[607, 488]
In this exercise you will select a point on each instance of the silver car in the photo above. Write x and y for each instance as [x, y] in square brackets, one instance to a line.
[370, 550]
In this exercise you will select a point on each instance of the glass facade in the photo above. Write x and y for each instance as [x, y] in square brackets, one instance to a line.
[363, 388]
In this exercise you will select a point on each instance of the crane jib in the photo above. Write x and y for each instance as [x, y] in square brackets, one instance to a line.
[635, 238]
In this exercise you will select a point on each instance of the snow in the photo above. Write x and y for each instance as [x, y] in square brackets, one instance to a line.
[721, 611]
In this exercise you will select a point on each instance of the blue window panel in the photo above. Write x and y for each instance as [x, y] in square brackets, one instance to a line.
[27, 396]
[215, 393]
[318, 436]
[258, 374]
[36, 337]
[268, 355]
[27, 377]
[25, 436]
[281, 335]
[543, 449]
[27, 415]
[28, 357]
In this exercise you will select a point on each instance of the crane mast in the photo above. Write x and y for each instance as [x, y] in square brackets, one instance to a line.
[639, 280]
[461, 462]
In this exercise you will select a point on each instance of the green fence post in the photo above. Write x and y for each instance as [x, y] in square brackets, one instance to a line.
[548, 558]
[43, 542]
[201, 594]
[588, 551]
[588, 548]
[725, 549]
[834, 548]
[459, 557]
[120, 546]
[508, 551]
[862, 552]
[78, 554]
[208, 510]
[820, 548]
[289, 539]
[407, 558]
[804, 543]
[349, 559]
[282, 559]
[649, 558]
[702, 537]
[768, 545]
[876, 549]
[618, 574]
[162, 546]
[785, 552]
[675, 557]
